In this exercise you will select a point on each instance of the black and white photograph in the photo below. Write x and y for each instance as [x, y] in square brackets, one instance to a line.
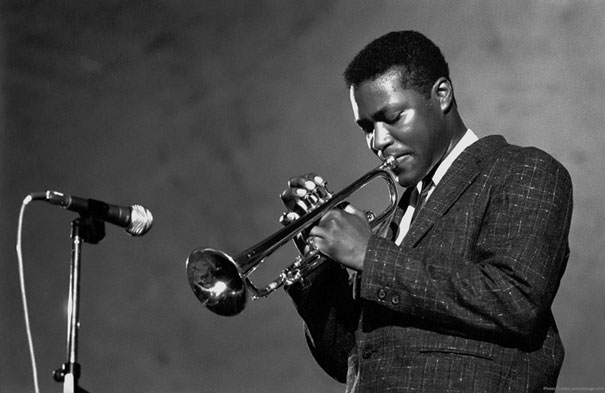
[335, 196]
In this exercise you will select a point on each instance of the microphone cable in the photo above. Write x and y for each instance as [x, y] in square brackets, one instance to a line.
[30, 341]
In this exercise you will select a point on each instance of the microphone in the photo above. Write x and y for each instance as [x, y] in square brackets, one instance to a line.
[135, 219]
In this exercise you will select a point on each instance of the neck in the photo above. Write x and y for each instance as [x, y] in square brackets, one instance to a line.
[456, 126]
[456, 129]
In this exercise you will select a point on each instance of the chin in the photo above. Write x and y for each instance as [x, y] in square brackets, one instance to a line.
[408, 178]
[405, 181]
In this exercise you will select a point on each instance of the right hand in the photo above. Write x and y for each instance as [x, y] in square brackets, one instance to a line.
[341, 234]
[304, 193]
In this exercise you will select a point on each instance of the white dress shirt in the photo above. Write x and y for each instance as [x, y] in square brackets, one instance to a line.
[468, 139]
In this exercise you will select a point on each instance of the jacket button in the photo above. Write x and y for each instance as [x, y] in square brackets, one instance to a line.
[366, 353]
[395, 299]
[382, 294]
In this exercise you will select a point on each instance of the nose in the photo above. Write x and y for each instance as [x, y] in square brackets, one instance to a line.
[381, 137]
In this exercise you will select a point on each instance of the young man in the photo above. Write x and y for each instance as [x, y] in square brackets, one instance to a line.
[457, 296]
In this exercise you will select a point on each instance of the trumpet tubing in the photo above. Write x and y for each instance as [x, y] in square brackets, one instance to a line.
[221, 283]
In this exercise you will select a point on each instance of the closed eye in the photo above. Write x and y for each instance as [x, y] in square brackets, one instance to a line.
[390, 120]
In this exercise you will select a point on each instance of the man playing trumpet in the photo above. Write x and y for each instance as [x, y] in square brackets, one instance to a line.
[457, 295]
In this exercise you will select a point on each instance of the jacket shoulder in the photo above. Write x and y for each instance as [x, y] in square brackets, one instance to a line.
[501, 160]
[494, 151]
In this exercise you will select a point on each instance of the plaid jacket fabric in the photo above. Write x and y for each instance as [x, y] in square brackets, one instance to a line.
[463, 305]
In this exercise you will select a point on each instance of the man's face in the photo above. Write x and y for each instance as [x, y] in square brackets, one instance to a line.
[401, 123]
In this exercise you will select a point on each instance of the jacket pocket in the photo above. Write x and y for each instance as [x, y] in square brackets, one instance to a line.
[458, 351]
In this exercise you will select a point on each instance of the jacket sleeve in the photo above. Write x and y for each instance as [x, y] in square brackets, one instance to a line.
[330, 315]
[491, 267]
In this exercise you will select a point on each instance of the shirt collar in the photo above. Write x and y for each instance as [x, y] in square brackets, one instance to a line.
[467, 139]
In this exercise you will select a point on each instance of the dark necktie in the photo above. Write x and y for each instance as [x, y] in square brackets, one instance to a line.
[427, 185]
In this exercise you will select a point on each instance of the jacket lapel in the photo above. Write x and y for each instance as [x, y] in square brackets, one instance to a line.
[459, 177]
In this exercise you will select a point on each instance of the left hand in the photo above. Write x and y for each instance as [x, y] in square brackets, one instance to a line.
[343, 235]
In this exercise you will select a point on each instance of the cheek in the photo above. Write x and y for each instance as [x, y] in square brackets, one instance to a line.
[436, 144]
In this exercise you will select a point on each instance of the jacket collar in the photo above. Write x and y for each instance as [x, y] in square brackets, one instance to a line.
[459, 177]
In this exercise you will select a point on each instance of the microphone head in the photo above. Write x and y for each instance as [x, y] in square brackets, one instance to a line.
[140, 221]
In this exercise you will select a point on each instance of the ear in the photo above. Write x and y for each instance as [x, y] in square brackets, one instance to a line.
[443, 91]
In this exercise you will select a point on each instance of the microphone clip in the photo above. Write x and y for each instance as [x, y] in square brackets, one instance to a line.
[90, 229]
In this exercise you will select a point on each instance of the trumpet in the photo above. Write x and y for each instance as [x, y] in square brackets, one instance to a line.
[221, 282]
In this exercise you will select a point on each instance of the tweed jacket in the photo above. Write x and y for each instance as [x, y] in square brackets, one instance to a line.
[464, 303]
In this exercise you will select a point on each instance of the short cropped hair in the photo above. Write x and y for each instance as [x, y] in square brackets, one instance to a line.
[418, 60]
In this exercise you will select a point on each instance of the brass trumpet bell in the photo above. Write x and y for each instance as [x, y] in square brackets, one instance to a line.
[216, 281]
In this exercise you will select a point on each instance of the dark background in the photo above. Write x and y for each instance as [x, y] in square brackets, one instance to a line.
[200, 111]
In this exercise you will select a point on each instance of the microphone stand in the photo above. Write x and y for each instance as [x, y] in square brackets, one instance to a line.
[83, 229]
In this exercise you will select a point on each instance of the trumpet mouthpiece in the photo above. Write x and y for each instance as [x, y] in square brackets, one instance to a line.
[390, 162]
